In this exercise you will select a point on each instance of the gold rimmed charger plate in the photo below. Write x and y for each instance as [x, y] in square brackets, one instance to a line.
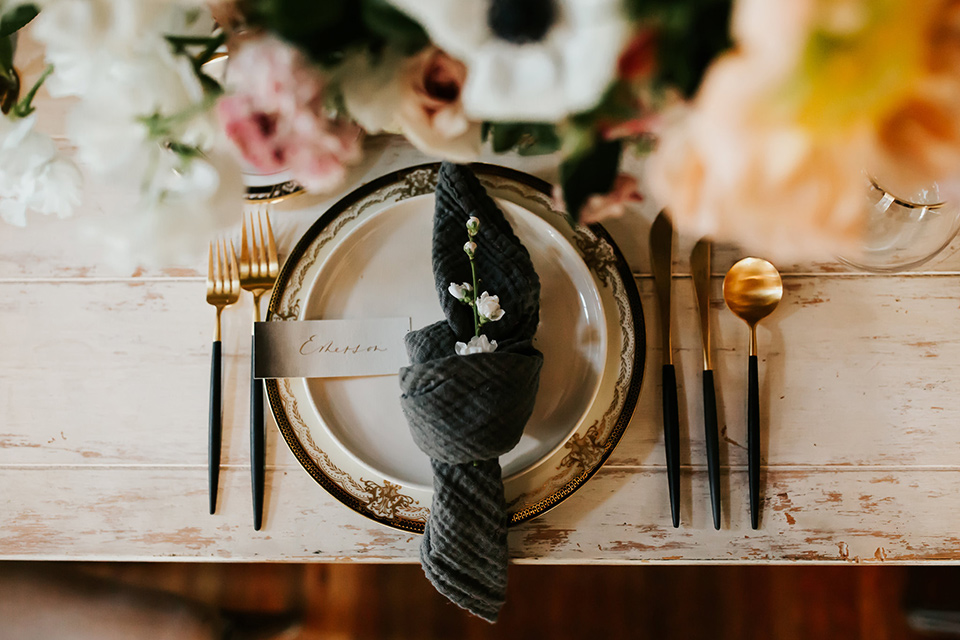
[369, 256]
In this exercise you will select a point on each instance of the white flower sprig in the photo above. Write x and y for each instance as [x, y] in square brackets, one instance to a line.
[486, 308]
[33, 174]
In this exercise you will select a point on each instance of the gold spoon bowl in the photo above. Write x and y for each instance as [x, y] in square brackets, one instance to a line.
[752, 289]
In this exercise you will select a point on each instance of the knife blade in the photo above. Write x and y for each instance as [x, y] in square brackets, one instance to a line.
[661, 258]
[700, 268]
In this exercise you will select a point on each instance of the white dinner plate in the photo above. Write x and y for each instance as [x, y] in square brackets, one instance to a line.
[369, 256]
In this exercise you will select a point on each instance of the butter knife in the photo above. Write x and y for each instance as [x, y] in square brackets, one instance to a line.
[661, 257]
[700, 267]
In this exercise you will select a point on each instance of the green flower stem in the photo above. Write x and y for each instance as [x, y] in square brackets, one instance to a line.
[25, 106]
[476, 312]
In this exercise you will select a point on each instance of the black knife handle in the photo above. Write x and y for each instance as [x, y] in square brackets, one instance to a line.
[215, 431]
[753, 441]
[713, 443]
[256, 440]
[671, 439]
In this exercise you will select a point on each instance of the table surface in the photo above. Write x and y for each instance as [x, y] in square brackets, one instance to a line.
[104, 386]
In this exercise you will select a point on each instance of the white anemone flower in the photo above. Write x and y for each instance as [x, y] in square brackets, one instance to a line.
[561, 65]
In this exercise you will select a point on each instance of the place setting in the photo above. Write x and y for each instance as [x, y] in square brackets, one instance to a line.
[543, 348]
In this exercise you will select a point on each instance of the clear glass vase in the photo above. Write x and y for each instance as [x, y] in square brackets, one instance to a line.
[904, 230]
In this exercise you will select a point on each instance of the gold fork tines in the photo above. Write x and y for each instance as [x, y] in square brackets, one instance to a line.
[259, 265]
[223, 279]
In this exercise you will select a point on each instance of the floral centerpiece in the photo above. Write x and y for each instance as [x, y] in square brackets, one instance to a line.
[758, 119]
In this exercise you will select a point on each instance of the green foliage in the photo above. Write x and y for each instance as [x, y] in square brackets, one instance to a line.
[17, 18]
[589, 172]
[6, 57]
[690, 34]
[182, 45]
[392, 25]
[526, 138]
[327, 29]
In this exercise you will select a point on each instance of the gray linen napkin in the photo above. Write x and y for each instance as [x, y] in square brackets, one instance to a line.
[467, 411]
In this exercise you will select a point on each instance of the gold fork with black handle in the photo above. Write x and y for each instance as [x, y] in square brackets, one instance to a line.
[259, 268]
[223, 289]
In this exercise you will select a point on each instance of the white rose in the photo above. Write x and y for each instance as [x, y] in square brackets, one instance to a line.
[459, 291]
[477, 344]
[488, 307]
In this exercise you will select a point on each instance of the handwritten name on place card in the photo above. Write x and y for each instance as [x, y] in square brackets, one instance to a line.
[330, 348]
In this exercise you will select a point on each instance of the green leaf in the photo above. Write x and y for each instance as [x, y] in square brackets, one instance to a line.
[301, 20]
[6, 55]
[589, 173]
[504, 136]
[527, 138]
[690, 41]
[17, 18]
[389, 23]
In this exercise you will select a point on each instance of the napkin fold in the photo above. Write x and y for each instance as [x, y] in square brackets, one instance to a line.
[467, 411]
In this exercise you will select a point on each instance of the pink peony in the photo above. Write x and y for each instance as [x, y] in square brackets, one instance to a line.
[275, 116]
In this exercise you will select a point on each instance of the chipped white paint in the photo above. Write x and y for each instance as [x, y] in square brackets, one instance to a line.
[103, 398]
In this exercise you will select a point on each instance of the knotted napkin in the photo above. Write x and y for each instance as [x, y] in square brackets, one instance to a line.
[467, 411]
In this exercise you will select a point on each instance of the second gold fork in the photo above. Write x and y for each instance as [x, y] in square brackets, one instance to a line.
[259, 269]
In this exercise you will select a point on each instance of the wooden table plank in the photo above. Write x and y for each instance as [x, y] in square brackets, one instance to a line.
[856, 371]
[620, 516]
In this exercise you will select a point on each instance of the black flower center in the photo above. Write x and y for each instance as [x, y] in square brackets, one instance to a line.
[521, 21]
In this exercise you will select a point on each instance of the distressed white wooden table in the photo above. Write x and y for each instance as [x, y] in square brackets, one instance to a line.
[103, 418]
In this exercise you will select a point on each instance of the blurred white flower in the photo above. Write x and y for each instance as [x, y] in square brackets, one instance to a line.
[528, 67]
[459, 291]
[90, 42]
[488, 307]
[477, 344]
[179, 211]
[33, 176]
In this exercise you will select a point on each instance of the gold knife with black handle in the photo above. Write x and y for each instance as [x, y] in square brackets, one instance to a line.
[661, 258]
[700, 268]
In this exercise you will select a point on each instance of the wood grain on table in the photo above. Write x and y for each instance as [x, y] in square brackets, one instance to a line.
[103, 398]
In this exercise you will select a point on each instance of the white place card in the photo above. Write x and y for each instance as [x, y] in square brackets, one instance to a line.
[330, 348]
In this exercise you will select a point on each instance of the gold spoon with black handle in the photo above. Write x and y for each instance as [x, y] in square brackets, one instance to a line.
[752, 290]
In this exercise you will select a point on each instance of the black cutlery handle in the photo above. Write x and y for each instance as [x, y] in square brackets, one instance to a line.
[256, 441]
[671, 439]
[216, 426]
[713, 443]
[753, 441]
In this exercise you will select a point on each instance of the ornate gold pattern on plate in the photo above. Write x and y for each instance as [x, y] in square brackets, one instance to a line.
[586, 450]
[383, 500]
[589, 451]
[274, 192]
